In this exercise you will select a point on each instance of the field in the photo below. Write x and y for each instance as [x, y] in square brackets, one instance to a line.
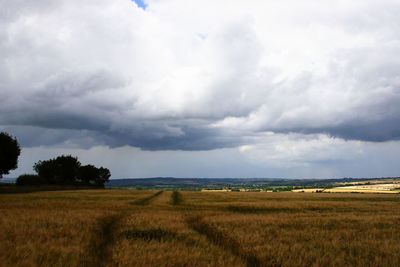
[165, 228]
[392, 188]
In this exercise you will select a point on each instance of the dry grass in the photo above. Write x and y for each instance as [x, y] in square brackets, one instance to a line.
[149, 228]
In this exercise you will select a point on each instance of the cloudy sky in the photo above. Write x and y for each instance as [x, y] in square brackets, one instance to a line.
[204, 88]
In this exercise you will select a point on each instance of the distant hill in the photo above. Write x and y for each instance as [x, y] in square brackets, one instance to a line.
[184, 182]
[8, 180]
[215, 183]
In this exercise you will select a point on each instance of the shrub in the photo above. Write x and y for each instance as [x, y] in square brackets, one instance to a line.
[29, 179]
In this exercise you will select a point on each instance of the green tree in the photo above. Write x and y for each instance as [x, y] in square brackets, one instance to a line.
[9, 153]
[61, 170]
[68, 170]
[87, 174]
[104, 176]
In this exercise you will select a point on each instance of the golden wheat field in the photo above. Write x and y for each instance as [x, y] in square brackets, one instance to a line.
[164, 228]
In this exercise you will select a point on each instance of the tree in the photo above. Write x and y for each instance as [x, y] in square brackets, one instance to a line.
[87, 173]
[61, 170]
[9, 153]
[68, 170]
[104, 176]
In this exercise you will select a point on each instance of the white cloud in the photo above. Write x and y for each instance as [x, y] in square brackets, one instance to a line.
[294, 150]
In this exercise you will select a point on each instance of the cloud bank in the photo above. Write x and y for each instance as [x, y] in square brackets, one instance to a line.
[201, 75]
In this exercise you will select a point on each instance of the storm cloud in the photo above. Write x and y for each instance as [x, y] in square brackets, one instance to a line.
[198, 76]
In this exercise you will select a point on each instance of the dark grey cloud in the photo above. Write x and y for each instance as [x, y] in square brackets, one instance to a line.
[193, 139]
[381, 131]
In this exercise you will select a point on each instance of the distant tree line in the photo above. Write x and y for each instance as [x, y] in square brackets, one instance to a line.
[65, 170]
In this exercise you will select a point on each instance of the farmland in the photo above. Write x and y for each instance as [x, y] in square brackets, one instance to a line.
[380, 188]
[192, 228]
[253, 184]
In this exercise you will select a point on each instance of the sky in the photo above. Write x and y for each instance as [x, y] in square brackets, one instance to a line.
[140, 3]
[201, 88]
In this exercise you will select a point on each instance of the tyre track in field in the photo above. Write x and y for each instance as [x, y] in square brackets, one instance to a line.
[176, 198]
[222, 240]
[147, 200]
[105, 235]
[216, 236]
[103, 238]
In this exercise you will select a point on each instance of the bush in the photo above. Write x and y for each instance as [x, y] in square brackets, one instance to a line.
[29, 179]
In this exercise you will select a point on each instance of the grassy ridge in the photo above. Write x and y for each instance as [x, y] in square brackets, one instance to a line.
[103, 228]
